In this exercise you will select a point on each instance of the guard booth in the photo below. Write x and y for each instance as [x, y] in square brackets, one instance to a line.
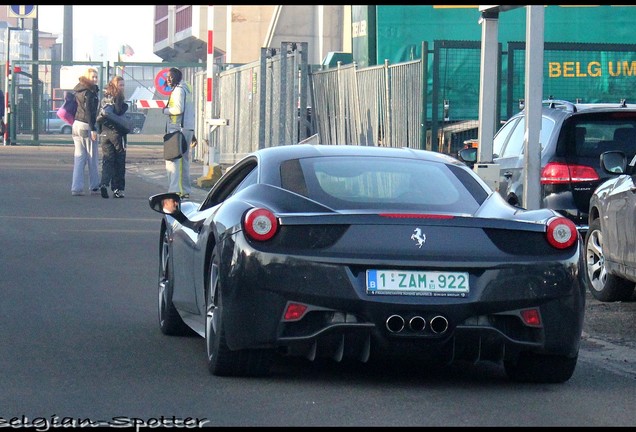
[57, 98]
[20, 116]
[452, 137]
[24, 109]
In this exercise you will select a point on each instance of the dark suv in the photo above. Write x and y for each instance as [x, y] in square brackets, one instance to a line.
[572, 138]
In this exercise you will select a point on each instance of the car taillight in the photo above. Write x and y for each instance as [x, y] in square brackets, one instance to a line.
[561, 233]
[559, 172]
[260, 224]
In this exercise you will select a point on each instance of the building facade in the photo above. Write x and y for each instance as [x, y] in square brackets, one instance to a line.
[239, 32]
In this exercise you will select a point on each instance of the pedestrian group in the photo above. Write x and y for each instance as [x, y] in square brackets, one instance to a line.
[105, 119]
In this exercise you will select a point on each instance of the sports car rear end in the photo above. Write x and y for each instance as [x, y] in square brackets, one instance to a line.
[470, 280]
[362, 253]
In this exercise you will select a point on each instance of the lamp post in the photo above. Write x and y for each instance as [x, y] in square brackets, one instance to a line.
[6, 136]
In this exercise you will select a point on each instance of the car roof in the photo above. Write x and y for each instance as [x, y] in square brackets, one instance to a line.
[296, 151]
[573, 108]
[605, 106]
[562, 109]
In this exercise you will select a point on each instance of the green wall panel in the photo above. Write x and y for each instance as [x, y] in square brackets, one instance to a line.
[400, 30]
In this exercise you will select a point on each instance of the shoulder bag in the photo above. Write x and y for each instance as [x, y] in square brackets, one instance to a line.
[69, 108]
[174, 143]
[122, 122]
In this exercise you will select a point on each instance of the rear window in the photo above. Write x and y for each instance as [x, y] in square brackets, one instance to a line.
[347, 183]
[591, 135]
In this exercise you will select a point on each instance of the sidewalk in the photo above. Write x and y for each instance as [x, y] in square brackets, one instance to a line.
[146, 161]
[142, 160]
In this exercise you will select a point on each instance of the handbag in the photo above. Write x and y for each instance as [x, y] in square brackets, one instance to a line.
[123, 123]
[68, 109]
[174, 145]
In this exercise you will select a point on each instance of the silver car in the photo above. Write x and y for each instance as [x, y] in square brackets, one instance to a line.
[610, 243]
[54, 124]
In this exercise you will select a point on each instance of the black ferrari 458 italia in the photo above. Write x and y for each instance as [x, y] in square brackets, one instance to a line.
[357, 252]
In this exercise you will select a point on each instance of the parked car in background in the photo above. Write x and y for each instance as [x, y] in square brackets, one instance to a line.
[572, 138]
[138, 120]
[54, 124]
[362, 252]
[610, 243]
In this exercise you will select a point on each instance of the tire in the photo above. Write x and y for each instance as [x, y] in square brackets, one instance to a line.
[66, 130]
[540, 368]
[170, 322]
[604, 286]
[221, 360]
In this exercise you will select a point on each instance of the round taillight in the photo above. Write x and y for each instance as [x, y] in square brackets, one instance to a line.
[260, 224]
[561, 232]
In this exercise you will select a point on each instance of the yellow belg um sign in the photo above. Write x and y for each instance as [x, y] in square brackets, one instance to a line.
[577, 69]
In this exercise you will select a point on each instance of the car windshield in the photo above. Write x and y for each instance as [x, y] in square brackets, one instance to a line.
[347, 183]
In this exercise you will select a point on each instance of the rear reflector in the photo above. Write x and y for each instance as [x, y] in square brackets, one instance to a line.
[531, 317]
[294, 311]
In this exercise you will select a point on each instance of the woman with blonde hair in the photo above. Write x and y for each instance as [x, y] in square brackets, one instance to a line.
[113, 136]
[84, 133]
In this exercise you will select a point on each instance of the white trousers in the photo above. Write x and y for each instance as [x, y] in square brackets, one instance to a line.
[85, 153]
[178, 170]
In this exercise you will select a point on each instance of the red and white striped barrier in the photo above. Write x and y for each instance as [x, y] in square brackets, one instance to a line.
[150, 103]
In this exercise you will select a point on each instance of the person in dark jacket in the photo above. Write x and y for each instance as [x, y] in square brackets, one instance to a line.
[84, 133]
[113, 138]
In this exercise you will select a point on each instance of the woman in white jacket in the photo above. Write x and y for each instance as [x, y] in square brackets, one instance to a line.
[180, 112]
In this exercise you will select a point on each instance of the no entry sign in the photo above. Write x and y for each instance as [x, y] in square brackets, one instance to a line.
[161, 82]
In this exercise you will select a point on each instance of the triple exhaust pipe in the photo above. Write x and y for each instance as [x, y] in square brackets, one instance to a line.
[397, 323]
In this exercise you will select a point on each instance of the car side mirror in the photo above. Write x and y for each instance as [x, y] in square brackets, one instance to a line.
[631, 166]
[613, 162]
[468, 156]
[166, 203]
[170, 204]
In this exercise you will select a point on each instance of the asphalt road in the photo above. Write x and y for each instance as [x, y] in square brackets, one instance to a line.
[79, 336]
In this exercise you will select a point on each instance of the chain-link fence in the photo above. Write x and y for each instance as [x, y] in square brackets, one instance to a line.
[280, 99]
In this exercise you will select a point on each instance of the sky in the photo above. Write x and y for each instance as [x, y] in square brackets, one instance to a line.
[99, 31]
